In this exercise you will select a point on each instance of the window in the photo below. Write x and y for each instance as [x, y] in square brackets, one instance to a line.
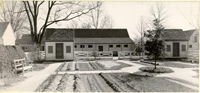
[75, 46]
[68, 49]
[82, 46]
[190, 46]
[168, 48]
[50, 49]
[110, 46]
[118, 46]
[195, 39]
[90, 46]
[125, 45]
[183, 47]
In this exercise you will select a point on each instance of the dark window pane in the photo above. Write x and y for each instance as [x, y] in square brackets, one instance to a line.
[118, 46]
[195, 38]
[190, 46]
[110, 46]
[50, 49]
[68, 49]
[82, 46]
[183, 47]
[125, 45]
[90, 46]
[168, 48]
[75, 46]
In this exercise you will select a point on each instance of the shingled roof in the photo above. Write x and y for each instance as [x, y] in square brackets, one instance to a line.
[103, 40]
[175, 35]
[101, 33]
[89, 35]
[25, 39]
[190, 32]
[3, 26]
[93, 33]
[55, 34]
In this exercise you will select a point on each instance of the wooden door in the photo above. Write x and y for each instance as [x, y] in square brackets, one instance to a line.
[176, 49]
[59, 51]
[100, 48]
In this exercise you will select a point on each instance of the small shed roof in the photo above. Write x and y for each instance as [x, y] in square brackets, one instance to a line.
[26, 39]
[175, 35]
[190, 32]
[55, 34]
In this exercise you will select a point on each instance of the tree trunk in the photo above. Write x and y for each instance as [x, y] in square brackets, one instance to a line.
[36, 51]
[155, 61]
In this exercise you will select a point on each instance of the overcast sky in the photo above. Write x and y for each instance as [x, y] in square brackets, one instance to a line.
[181, 15]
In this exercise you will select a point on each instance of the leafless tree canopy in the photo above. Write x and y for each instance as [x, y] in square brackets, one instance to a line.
[97, 18]
[54, 11]
[141, 27]
[13, 12]
[159, 13]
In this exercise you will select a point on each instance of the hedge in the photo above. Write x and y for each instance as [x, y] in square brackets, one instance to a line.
[8, 54]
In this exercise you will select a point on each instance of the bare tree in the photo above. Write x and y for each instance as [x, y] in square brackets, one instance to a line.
[97, 18]
[72, 24]
[193, 17]
[56, 11]
[13, 12]
[141, 29]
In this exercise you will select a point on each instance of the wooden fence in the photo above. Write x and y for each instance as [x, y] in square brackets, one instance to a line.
[193, 55]
[93, 54]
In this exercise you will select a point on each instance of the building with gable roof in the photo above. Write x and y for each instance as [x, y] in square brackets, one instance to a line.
[25, 42]
[60, 43]
[176, 43]
[7, 35]
[194, 39]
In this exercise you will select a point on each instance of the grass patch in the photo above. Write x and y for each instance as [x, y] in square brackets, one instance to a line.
[157, 70]
[178, 65]
[146, 74]
[151, 84]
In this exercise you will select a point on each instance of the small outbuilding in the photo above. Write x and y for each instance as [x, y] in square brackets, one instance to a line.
[176, 43]
[59, 44]
[7, 35]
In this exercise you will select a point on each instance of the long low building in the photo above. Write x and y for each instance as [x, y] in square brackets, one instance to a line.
[60, 44]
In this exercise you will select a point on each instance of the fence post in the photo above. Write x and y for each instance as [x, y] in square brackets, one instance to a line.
[130, 55]
[111, 54]
[87, 55]
[98, 53]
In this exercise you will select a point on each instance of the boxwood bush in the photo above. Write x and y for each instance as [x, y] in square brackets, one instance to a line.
[157, 70]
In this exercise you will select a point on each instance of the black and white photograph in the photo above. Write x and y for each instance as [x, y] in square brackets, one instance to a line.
[99, 46]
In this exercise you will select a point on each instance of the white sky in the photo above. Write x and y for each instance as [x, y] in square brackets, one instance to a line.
[127, 14]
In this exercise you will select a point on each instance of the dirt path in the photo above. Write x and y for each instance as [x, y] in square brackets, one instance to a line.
[35, 79]
[180, 73]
